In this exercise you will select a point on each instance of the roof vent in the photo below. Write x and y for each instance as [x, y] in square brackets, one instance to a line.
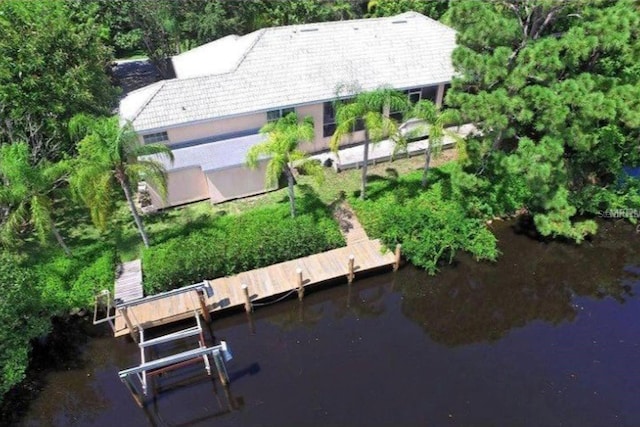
[308, 30]
[399, 22]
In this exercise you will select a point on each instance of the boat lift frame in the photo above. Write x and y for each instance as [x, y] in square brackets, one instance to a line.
[219, 353]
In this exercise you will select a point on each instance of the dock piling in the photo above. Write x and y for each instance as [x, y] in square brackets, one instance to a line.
[247, 300]
[396, 264]
[300, 284]
[351, 268]
[203, 305]
[127, 321]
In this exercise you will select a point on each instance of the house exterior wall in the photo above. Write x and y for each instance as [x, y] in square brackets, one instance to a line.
[236, 182]
[218, 127]
[183, 186]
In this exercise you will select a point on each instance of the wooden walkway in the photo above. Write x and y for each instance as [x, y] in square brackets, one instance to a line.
[350, 227]
[128, 285]
[263, 283]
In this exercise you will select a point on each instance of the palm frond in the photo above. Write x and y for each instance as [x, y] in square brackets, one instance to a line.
[281, 145]
[41, 216]
[257, 151]
[152, 172]
[16, 219]
[159, 150]
[275, 167]
[108, 149]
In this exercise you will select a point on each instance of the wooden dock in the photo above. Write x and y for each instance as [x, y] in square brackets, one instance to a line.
[128, 285]
[271, 281]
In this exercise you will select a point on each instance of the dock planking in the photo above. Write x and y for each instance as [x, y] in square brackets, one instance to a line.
[263, 283]
[128, 286]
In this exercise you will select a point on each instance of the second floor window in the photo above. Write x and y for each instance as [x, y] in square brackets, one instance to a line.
[275, 115]
[155, 137]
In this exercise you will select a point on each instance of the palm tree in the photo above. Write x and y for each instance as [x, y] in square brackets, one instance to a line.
[110, 154]
[433, 122]
[373, 109]
[281, 146]
[26, 192]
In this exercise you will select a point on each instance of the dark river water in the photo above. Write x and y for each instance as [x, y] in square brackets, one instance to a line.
[547, 336]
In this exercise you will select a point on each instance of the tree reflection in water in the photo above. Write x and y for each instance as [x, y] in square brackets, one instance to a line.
[476, 302]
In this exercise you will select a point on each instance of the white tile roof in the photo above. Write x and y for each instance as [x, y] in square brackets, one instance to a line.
[219, 56]
[301, 64]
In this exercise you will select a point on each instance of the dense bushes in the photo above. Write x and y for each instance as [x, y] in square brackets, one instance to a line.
[71, 282]
[21, 319]
[33, 293]
[431, 225]
[232, 244]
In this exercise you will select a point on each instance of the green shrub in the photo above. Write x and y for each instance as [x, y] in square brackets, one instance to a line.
[430, 224]
[98, 275]
[237, 243]
[69, 282]
[21, 319]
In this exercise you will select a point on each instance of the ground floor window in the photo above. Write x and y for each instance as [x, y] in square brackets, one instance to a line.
[430, 93]
[328, 119]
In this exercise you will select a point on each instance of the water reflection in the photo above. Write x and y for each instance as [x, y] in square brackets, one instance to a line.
[359, 300]
[478, 302]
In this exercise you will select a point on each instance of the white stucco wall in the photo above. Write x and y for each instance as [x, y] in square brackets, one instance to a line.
[237, 182]
[183, 186]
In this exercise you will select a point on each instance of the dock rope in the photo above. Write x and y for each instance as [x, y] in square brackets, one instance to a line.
[285, 296]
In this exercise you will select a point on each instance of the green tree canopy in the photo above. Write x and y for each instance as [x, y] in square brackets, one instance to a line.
[52, 66]
[554, 88]
[21, 320]
[109, 155]
[431, 8]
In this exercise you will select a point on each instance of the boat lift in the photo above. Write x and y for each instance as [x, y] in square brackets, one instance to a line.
[220, 354]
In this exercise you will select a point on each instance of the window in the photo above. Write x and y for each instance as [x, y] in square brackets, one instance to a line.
[328, 119]
[358, 125]
[414, 96]
[155, 137]
[430, 93]
[398, 115]
[274, 115]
